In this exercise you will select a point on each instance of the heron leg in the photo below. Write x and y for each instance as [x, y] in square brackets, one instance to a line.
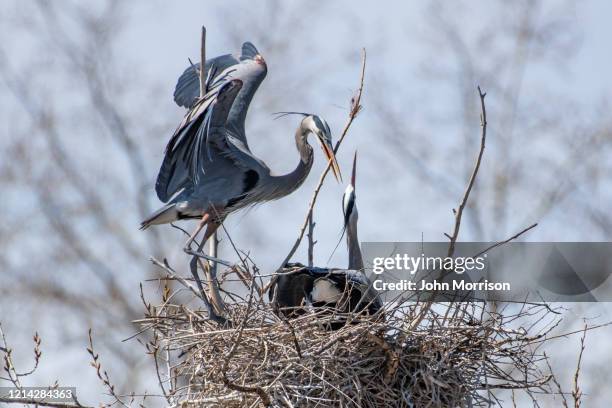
[211, 223]
[213, 285]
[199, 228]
[210, 307]
[193, 266]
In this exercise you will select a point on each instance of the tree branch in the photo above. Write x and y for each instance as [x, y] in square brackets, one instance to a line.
[311, 241]
[466, 195]
[463, 203]
[515, 236]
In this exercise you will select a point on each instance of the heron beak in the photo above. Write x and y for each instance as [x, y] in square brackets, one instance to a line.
[354, 175]
[331, 157]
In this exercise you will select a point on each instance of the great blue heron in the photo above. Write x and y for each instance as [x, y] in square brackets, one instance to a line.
[208, 169]
[344, 290]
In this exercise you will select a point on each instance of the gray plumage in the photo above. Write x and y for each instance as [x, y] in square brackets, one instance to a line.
[208, 167]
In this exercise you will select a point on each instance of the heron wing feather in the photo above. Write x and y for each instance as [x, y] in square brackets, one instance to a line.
[187, 90]
[189, 146]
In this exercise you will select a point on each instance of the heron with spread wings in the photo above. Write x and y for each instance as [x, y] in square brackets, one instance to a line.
[208, 170]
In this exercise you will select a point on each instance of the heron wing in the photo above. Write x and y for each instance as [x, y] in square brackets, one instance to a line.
[238, 152]
[187, 88]
[189, 146]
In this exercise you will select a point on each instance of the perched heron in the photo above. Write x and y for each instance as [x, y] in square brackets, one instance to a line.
[344, 290]
[208, 170]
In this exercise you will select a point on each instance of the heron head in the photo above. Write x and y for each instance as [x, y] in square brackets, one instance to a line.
[259, 60]
[256, 65]
[250, 55]
[319, 127]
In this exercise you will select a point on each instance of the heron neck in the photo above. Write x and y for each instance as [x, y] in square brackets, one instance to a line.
[292, 181]
[301, 143]
[352, 240]
[240, 107]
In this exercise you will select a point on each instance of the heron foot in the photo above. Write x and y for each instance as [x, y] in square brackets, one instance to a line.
[212, 314]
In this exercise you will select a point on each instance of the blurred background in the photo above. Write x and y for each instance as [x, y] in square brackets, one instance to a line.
[86, 110]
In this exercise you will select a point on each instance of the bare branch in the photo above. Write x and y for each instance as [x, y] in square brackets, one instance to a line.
[466, 195]
[355, 109]
[103, 374]
[459, 212]
[311, 241]
[203, 63]
[576, 391]
[512, 238]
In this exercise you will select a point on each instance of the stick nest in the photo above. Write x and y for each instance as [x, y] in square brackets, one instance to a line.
[448, 355]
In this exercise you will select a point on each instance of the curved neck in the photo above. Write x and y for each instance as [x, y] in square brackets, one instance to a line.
[240, 106]
[352, 241]
[288, 183]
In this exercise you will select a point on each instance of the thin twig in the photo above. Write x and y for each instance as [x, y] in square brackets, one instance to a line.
[8, 364]
[203, 63]
[466, 195]
[555, 381]
[576, 391]
[355, 109]
[512, 238]
[209, 258]
[103, 374]
[459, 212]
[171, 273]
[263, 395]
[211, 267]
[311, 241]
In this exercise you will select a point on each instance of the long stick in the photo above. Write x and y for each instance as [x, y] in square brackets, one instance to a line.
[311, 241]
[212, 251]
[211, 272]
[355, 108]
[466, 195]
[463, 203]
[203, 63]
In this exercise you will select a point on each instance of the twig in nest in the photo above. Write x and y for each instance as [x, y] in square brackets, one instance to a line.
[257, 361]
[263, 395]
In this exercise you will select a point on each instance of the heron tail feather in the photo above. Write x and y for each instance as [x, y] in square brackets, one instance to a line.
[164, 215]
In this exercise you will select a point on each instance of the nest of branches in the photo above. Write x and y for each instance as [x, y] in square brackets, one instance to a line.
[411, 354]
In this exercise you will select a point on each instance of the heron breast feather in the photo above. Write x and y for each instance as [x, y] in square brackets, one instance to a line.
[325, 291]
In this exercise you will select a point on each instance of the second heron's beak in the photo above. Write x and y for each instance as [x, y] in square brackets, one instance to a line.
[354, 174]
[331, 157]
